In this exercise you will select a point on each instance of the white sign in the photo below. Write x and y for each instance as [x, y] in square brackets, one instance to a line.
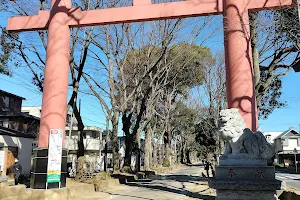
[54, 155]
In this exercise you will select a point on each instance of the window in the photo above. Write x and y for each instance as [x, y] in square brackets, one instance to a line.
[12, 103]
[5, 100]
[94, 134]
[17, 105]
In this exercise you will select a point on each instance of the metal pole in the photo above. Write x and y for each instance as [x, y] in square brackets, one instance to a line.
[296, 161]
[298, 10]
[100, 148]
[71, 125]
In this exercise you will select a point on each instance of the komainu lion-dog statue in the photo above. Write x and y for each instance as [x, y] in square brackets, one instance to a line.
[242, 143]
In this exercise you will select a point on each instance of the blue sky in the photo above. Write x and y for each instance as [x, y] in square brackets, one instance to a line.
[280, 120]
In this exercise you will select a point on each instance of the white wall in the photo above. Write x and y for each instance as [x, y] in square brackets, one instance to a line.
[89, 144]
[24, 149]
[292, 144]
[34, 110]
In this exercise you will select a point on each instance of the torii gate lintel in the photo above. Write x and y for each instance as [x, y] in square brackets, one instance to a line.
[142, 10]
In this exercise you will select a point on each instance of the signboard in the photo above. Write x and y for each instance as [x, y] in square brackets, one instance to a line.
[54, 156]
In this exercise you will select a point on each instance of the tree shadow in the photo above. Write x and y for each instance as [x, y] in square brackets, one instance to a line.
[156, 187]
[181, 178]
[125, 195]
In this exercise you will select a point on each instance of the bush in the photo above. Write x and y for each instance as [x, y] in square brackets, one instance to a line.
[166, 163]
[103, 176]
[278, 165]
[126, 169]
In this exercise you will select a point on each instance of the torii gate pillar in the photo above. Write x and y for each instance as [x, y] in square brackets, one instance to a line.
[238, 58]
[55, 89]
[55, 93]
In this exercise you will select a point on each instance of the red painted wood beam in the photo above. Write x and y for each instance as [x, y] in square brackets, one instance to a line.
[137, 13]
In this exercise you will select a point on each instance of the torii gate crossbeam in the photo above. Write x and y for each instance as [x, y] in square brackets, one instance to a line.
[239, 71]
[138, 13]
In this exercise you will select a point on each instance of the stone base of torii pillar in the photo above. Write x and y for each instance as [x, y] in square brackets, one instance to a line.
[243, 172]
[38, 176]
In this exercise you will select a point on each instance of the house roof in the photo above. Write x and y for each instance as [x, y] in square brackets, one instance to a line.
[18, 114]
[14, 133]
[288, 133]
[10, 94]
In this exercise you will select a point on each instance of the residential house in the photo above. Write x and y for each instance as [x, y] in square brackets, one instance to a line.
[92, 137]
[286, 145]
[17, 132]
[36, 111]
[92, 140]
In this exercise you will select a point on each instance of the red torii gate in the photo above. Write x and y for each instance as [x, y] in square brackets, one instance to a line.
[239, 71]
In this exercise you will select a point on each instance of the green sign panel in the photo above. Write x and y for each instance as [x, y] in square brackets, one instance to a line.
[53, 178]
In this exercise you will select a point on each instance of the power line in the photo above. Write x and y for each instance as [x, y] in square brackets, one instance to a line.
[93, 121]
[292, 123]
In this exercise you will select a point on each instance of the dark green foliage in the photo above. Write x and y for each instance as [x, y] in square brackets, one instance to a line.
[288, 25]
[7, 48]
[278, 52]
[166, 163]
[207, 137]
[271, 99]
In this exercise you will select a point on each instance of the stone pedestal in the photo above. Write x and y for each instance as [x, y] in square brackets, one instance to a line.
[246, 181]
[39, 171]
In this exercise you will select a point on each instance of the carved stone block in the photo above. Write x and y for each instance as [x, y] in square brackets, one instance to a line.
[245, 173]
[245, 182]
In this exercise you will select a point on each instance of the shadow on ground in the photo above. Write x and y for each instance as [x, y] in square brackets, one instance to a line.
[171, 189]
[181, 178]
[170, 185]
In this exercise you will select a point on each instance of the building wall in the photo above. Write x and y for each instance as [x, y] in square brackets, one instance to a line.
[278, 146]
[291, 144]
[91, 140]
[32, 110]
[89, 143]
[24, 150]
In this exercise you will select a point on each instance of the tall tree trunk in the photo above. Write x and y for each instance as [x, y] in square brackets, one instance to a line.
[115, 122]
[107, 141]
[138, 146]
[168, 143]
[255, 55]
[126, 122]
[148, 134]
[188, 157]
[154, 160]
[80, 151]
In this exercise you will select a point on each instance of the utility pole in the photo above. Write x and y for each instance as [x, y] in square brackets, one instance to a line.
[100, 149]
[295, 154]
[71, 125]
[298, 6]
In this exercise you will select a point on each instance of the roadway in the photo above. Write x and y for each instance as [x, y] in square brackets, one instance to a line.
[291, 179]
